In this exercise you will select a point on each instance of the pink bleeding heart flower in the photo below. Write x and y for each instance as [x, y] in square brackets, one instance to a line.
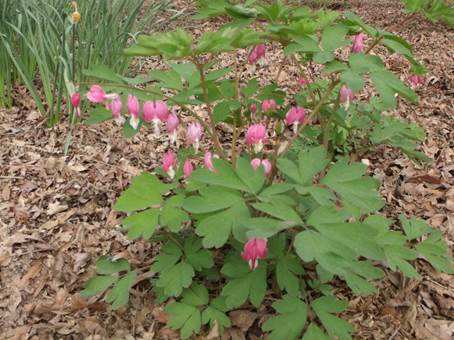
[416, 81]
[256, 162]
[115, 107]
[193, 135]
[358, 43]
[172, 127]
[208, 161]
[157, 112]
[96, 94]
[256, 136]
[269, 105]
[256, 53]
[169, 163]
[254, 249]
[346, 96]
[133, 106]
[187, 168]
[254, 108]
[302, 82]
[75, 102]
[295, 116]
[267, 166]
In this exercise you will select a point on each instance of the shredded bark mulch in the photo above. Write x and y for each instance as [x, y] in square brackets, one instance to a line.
[56, 216]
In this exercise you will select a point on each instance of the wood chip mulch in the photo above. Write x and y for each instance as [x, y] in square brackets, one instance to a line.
[56, 216]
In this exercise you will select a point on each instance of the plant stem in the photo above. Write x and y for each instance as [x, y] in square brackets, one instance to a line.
[215, 137]
[235, 128]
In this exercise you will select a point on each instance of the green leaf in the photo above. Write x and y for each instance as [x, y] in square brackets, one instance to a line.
[105, 265]
[414, 227]
[224, 176]
[361, 63]
[387, 85]
[264, 227]
[290, 321]
[119, 294]
[212, 199]
[353, 80]
[313, 332]
[435, 251]
[243, 284]
[216, 229]
[215, 314]
[142, 224]
[185, 70]
[311, 162]
[325, 307]
[333, 37]
[175, 278]
[174, 44]
[198, 257]
[97, 284]
[184, 317]
[359, 193]
[279, 210]
[103, 72]
[288, 267]
[323, 57]
[144, 191]
[172, 215]
[196, 295]
[167, 79]
[169, 255]
[97, 115]
[253, 179]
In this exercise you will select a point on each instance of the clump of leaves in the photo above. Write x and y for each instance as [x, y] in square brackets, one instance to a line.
[262, 218]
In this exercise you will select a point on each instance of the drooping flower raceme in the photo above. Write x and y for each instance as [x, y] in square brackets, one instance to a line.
[187, 168]
[256, 162]
[358, 43]
[208, 161]
[156, 112]
[133, 106]
[193, 135]
[172, 127]
[416, 81]
[169, 163]
[294, 117]
[75, 102]
[254, 249]
[256, 53]
[269, 105]
[256, 136]
[346, 96]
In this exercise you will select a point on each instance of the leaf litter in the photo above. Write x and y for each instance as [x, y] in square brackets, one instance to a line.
[56, 217]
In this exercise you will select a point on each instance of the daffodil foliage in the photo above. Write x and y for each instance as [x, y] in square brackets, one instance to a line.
[272, 208]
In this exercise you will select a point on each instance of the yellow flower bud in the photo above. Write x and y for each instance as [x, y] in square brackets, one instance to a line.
[76, 17]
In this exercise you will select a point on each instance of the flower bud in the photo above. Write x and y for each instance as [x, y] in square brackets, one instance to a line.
[346, 96]
[269, 105]
[416, 81]
[187, 168]
[208, 161]
[256, 53]
[358, 44]
[169, 162]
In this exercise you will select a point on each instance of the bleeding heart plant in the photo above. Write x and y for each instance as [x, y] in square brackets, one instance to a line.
[274, 207]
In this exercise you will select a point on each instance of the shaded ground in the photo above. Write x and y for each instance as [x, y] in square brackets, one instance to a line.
[56, 218]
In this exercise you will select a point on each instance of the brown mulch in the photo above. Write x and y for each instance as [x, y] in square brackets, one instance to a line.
[56, 216]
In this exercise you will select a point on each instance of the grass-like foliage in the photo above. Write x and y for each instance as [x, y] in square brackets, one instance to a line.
[44, 48]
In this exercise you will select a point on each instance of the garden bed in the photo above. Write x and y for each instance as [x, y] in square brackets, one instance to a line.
[56, 216]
